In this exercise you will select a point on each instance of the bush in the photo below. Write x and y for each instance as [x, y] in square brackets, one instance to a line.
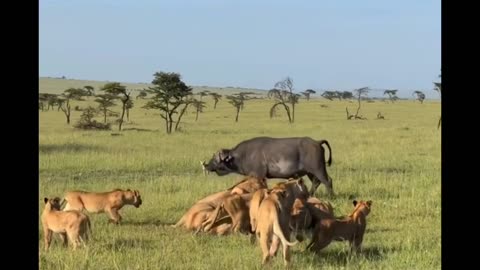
[86, 121]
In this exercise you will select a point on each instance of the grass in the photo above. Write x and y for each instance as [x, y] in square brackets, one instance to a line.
[394, 162]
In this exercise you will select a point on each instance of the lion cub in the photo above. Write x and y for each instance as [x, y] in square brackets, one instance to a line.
[73, 224]
[352, 228]
[109, 202]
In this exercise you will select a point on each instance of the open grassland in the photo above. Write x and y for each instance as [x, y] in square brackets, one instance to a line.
[394, 162]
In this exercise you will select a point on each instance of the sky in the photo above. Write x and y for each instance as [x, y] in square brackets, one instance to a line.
[334, 45]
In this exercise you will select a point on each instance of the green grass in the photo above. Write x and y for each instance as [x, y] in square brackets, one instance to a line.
[394, 162]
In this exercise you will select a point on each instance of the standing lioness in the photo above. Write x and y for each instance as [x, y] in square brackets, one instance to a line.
[73, 224]
[109, 202]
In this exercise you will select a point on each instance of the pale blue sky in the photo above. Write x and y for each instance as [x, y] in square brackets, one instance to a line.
[339, 45]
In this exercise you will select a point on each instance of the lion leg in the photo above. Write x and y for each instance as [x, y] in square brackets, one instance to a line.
[114, 215]
[274, 246]
[264, 246]
[47, 235]
[74, 238]
[286, 254]
[356, 244]
[64, 239]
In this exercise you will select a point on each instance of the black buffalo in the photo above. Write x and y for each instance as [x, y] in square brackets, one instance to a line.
[266, 157]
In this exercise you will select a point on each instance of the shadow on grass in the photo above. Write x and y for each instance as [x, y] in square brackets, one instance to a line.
[119, 244]
[342, 257]
[137, 129]
[147, 223]
[68, 147]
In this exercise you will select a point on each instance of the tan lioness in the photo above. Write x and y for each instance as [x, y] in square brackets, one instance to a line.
[200, 214]
[236, 208]
[98, 202]
[248, 185]
[306, 213]
[351, 228]
[257, 198]
[273, 218]
[72, 224]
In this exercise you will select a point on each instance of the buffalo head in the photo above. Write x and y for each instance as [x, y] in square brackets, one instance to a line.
[221, 163]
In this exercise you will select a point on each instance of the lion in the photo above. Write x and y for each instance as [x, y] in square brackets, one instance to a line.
[234, 207]
[257, 198]
[98, 202]
[352, 228]
[248, 185]
[201, 213]
[306, 213]
[273, 218]
[72, 224]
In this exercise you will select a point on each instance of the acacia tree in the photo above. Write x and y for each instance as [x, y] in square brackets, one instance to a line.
[359, 93]
[419, 95]
[90, 90]
[281, 99]
[237, 101]
[202, 94]
[392, 94]
[170, 93]
[307, 93]
[128, 106]
[216, 97]
[120, 91]
[67, 96]
[105, 101]
[142, 94]
[330, 95]
[346, 95]
[287, 85]
[199, 106]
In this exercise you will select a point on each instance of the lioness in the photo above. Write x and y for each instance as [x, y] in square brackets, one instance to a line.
[73, 224]
[306, 213]
[351, 228]
[236, 208]
[110, 202]
[274, 215]
[200, 214]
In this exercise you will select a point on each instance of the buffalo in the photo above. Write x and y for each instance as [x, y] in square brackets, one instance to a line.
[266, 157]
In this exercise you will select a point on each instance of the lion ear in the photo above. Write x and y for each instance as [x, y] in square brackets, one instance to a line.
[369, 203]
[136, 192]
[45, 200]
[355, 202]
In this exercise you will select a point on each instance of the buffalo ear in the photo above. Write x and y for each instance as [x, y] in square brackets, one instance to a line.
[45, 200]
[355, 202]
[228, 158]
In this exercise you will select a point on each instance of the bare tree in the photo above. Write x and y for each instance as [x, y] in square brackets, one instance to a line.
[287, 85]
[359, 93]
[438, 88]
[237, 102]
[281, 99]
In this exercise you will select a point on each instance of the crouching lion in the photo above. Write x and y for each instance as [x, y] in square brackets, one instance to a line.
[352, 228]
[98, 202]
[72, 224]
[273, 218]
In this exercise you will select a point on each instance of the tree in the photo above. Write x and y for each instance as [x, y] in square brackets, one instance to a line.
[128, 106]
[346, 95]
[203, 93]
[287, 85]
[67, 96]
[359, 93]
[105, 101]
[330, 95]
[237, 102]
[46, 99]
[392, 94]
[216, 97]
[281, 99]
[90, 90]
[170, 93]
[419, 95]
[120, 91]
[142, 94]
[307, 93]
[199, 106]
